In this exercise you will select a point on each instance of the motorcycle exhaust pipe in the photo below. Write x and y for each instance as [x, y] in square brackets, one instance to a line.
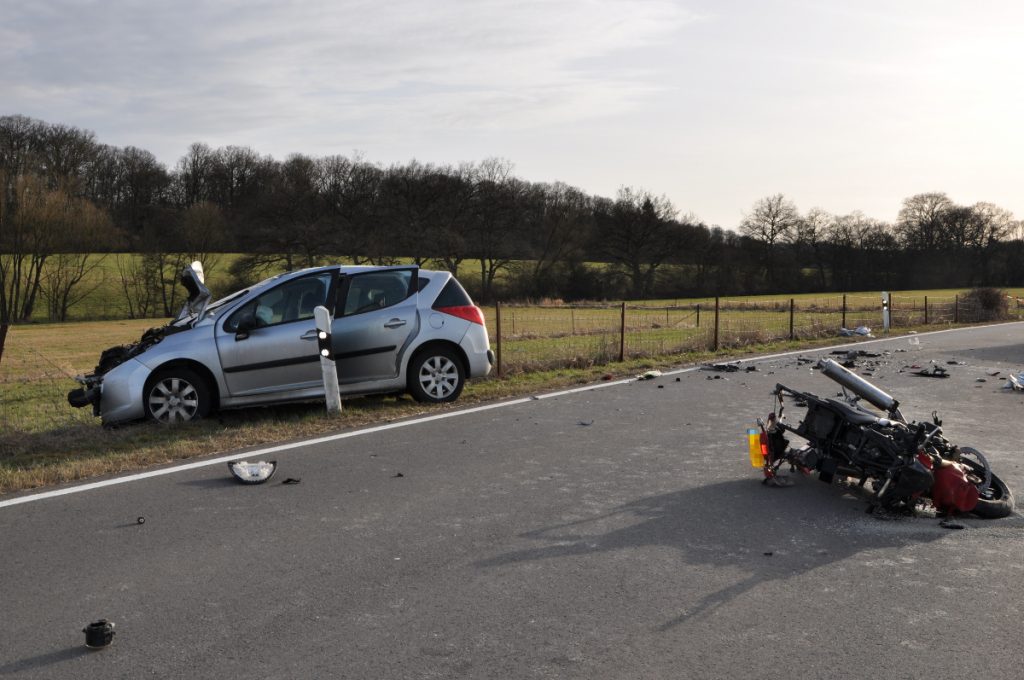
[860, 387]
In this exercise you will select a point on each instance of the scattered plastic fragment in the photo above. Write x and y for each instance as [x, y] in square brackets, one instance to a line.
[292, 480]
[678, 379]
[397, 475]
[933, 372]
[725, 368]
[954, 362]
[140, 520]
[980, 380]
[252, 473]
[769, 553]
[992, 374]
[99, 634]
[948, 524]
[863, 331]
[585, 423]
[1015, 383]
[607, 376]
[661, 387]
[649, 375]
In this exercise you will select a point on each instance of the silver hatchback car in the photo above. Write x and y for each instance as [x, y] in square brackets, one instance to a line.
[394, 329]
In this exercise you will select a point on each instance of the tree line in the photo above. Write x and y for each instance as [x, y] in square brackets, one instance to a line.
[63, 194]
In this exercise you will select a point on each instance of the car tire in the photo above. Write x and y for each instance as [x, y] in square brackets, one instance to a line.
[176, 395]
[436, 375]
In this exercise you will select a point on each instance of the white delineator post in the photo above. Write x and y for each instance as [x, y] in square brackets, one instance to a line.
[886, 300]
[327, 366]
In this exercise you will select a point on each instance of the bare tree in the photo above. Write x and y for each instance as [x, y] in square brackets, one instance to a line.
[497, 214]
[773, 220]
[922, 221]
[75, 271]
[639, 233]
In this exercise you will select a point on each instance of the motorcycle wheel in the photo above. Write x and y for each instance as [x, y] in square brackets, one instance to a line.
[996, 501]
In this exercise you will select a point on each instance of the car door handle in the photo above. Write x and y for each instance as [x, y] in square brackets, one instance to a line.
[395, 323]
[308, 335]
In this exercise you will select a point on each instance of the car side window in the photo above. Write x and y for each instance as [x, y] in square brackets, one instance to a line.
[377, 290]
[291, 301]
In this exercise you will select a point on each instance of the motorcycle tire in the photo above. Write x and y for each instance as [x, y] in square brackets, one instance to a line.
[997, 500]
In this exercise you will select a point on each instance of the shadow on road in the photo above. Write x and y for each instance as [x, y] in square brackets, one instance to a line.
[771, 533]
[43, 660]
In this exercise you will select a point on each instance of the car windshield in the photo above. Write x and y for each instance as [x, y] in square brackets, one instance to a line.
[217, 304]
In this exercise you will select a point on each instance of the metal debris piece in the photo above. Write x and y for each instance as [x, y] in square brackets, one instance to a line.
[933, 372]
[1015, 383]
[99, 634]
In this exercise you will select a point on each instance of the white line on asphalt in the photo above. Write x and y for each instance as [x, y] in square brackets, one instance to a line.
[415, 421]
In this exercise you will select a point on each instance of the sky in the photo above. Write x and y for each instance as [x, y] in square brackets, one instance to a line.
[715, 104]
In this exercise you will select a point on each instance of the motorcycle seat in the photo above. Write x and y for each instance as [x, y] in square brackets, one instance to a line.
[856, 416]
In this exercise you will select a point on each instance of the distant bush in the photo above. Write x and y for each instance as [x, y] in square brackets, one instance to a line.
[986, 304]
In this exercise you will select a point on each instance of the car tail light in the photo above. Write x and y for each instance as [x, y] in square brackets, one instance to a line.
[468, 312]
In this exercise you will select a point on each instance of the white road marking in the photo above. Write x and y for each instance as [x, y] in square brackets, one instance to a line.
[89, 486]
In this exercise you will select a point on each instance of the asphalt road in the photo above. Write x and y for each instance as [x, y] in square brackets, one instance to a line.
[613, 533]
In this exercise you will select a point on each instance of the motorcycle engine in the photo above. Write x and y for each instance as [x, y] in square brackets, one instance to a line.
[911, 480]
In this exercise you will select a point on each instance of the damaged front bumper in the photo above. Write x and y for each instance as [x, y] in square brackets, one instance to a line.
[115, 396]
[89, 393]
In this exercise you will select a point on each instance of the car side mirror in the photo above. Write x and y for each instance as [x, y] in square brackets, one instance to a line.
[246, 322]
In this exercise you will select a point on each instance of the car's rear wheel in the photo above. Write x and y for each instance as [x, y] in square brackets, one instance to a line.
[177, 395]
[436, 375]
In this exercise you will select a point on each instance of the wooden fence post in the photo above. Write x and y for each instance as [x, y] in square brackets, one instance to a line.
[791, 309]
[956, 309]
[714, 346]
[844, 311]
[622, 335]
[497, 331]
[925, 310]
[698, 315]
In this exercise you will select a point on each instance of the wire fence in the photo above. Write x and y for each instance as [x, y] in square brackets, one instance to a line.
[538, 337]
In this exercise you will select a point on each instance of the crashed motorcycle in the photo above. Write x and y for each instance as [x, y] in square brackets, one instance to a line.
[908, 464]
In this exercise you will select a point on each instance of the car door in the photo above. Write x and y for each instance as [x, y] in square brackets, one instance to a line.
[374, 318]
[280, 353]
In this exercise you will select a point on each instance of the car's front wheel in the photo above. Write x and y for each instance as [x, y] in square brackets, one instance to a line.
[436, 375]
[177, 395]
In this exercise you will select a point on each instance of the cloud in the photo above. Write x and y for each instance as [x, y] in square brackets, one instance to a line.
[203, 69]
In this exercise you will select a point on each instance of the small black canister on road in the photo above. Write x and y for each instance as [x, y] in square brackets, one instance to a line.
[99, 634]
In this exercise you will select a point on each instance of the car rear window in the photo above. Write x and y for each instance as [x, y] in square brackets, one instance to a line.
[452, 295]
